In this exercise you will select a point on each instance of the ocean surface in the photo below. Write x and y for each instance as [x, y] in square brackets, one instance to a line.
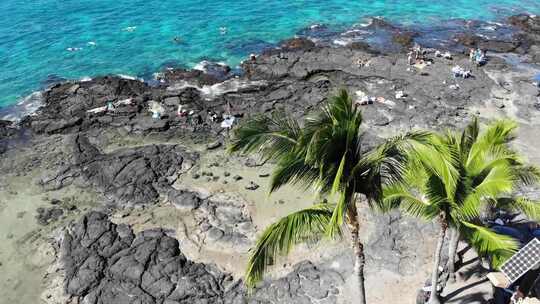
[45, 41]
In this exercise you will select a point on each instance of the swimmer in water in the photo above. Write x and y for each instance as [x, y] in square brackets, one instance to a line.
[177, 39]
[223, 30]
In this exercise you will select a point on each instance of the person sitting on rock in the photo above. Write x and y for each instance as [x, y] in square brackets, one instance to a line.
[410, 58]
[110, 106]
[472, 54]
[480, 57]
[181, 112]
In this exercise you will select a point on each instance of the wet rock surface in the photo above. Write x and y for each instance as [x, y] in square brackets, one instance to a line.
[529, 35]
[108, 263]
[471, 40]
[6, 128]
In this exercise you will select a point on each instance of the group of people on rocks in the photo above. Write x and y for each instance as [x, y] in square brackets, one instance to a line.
[416, 55]
[478, 56]
[212, 117]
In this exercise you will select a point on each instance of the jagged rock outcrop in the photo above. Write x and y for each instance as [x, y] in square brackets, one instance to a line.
[66, 104]
[471, 40]
[127, 177]
[105, 263]
[529, 35]
[108, 263]
[6, 128]
[222, 223]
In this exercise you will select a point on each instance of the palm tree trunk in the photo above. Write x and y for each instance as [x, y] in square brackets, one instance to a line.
[434, 296]
[358, 249]
[452, 254]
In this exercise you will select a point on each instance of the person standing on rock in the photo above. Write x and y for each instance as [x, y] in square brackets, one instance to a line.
[472, 54]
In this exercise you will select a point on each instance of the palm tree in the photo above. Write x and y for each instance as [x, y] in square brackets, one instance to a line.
[500, 135]
[454, 177]
[327, 153]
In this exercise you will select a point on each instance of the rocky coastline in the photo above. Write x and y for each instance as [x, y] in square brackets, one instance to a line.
[139, 209]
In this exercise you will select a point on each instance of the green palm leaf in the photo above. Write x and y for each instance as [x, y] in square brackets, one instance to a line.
[488, 243]
[271, 136]
[520, 204]
[279, 238]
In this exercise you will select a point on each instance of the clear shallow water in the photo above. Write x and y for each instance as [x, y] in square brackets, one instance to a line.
[135, 37]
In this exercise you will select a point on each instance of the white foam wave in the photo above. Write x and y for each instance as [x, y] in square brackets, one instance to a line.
[342, 41]
[205, 64]
[354, 31]
[26, 106]
[210, 92]
[368, 22]
[490, 28]
[128, 77]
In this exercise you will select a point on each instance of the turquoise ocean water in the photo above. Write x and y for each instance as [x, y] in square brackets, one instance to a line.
[42, 41]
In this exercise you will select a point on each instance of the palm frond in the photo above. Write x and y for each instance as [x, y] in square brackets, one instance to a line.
[292, 169]
[338, 179]
[469, 136]
[500, 132]
[497, 182]
[528, 207]
[388, 160]
[279, 238]
[338, 214]
[526, 174]
[439, 161]
[401, 195]
[488, 243]
[272, 136]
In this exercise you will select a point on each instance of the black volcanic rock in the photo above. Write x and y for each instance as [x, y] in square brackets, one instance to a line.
[529, 35]
[105, 263]
[378, 23]
[127, 177]
[474, 41]
[404, 38]
[66, 105]
[525, 22]
[6, 129]
[362, 46]
[195, 77]
[296, 44]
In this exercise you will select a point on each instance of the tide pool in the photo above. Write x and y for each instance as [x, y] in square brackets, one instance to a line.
[43, 41]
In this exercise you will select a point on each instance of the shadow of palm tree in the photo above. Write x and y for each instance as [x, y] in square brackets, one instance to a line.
[474, 269]
[459, 291]
[477, 298]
